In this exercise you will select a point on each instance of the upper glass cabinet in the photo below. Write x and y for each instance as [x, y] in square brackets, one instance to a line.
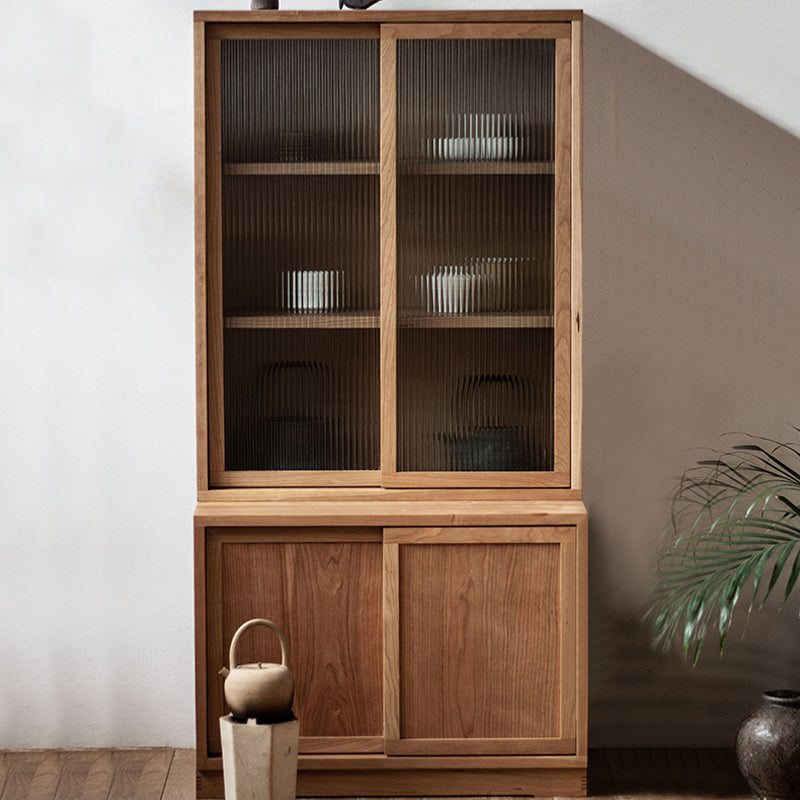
[388, 267]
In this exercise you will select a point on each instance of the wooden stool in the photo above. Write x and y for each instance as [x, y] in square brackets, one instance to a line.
[259, 761]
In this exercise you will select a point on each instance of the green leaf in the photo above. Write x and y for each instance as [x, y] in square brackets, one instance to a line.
[793, 575]
[777, 569]
[757, 572]
[793, 507]
[734, 518]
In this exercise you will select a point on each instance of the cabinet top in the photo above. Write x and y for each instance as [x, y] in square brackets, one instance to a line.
[378, 17]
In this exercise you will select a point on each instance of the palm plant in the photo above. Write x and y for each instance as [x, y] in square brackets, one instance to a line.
[735, 519]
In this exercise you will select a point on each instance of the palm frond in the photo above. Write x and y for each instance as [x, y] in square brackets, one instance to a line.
[734, 519]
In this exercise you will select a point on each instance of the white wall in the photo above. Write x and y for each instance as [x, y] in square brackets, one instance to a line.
[691, 297]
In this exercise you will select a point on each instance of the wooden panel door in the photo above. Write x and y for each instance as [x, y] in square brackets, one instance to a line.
[323, 587]
[481, 640]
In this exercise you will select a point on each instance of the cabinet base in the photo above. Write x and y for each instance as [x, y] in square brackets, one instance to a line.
[569, 782]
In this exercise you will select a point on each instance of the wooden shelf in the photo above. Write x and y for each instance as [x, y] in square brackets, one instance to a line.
[366, 319]
[405, 168]
[477, 320]
[333, 319]
[476, 168]
[304, 168]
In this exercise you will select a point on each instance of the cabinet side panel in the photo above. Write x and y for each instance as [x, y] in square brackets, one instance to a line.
[468, 668]
[327, 598]
[577, 254]
[201, 343]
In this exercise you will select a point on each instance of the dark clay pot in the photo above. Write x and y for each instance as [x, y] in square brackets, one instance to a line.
[768, 747]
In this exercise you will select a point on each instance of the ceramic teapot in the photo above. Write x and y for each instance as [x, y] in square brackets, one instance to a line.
[262, 691]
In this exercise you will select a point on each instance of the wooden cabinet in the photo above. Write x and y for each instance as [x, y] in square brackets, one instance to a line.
[388, 240]
[472, 677]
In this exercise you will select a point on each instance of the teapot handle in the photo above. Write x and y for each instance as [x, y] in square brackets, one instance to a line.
[250, 624]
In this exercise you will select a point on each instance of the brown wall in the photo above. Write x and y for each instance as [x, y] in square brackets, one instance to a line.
[692, 330]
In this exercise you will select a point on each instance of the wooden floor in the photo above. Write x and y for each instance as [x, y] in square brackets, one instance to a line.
[166, 774]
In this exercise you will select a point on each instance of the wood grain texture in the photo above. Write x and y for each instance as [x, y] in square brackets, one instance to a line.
[453, 480]
[203, 574]
[430, 512]
[87, 775]
[563, 259]
[256, 478]
[488, 536]
[421, 513]
[348, 18]
[200, 197]
[466, 668]
[180, 783]
[433, 783]
[576, 252]
[305, 322]
[213, 265]
[381, 494]
[581, 590]
[388, 255]
[33, 776]
[476, 30]
[308, 28]
[326, 595]
[391, 642]
[149, 774]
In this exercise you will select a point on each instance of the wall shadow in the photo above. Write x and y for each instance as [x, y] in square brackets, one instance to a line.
[691, 300]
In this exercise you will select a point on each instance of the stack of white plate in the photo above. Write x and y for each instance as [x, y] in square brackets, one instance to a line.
[478, 137]
[477, 284]
[311, 290]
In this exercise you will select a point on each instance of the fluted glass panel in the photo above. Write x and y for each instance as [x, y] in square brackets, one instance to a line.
[301, 400]
[300, 100]
[475, 255]
[300, 244]
[476, 99]
[300, 286]
[475, 402]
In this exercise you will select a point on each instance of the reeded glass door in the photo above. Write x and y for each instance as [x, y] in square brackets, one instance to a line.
[481, 267]
[293, 279]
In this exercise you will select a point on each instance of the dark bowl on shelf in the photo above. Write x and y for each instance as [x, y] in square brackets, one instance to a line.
[497, 448]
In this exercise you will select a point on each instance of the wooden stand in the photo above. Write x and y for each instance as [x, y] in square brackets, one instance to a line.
[259, 762]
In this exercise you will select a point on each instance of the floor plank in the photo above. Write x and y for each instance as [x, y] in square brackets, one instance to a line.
[140, 774]
[31, 776]
[167, 774]
[154, 773]
[85, 775]
[4, 762]
[180, 783]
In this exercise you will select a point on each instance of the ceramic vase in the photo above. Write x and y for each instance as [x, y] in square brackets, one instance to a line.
[768, 747]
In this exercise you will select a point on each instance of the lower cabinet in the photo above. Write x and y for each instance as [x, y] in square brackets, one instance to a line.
[479, 658]
[428, 660]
